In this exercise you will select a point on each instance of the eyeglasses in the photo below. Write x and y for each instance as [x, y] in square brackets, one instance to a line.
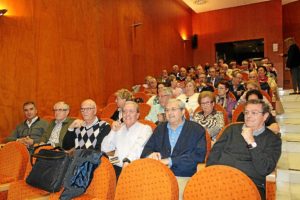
[172, 109]
[59, 110]
[221, 88]
[187, 100]
[129, 111]
[206, 103]
[162, 96]
[86, 109]
[254, 113]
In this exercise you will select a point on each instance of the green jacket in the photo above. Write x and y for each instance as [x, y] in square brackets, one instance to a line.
[65, 125]
[35, 131]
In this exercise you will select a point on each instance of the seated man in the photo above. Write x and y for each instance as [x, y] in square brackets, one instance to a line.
[128, 140]
[87, 133]
[249, 147]
[178, 143]
[31, 130]
[157, 112]
[58, 127]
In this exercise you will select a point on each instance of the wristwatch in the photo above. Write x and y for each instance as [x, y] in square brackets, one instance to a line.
[252, 145]
[126, 160]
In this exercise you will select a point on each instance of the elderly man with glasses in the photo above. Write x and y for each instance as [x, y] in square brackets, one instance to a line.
[58, 127]
[126, 142]
[157, 112]
[250, 146]
[87, 133]
[178, 143]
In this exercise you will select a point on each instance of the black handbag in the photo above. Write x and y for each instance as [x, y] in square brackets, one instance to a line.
[49, 170]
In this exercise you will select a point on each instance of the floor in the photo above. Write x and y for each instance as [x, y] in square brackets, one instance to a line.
[288, 168]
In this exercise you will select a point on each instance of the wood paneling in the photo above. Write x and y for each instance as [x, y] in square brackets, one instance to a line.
[71, 50]
[291, 28]
[261, 20]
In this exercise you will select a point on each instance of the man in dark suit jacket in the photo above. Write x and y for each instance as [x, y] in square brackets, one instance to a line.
[177, 143]
[213, 79]
[293, 62]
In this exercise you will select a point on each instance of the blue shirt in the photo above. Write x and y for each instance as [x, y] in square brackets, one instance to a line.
[173, 137]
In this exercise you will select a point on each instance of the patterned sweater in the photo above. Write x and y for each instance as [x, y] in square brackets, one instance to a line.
[213, 123]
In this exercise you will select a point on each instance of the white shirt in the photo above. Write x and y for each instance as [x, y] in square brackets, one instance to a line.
[191, 103]
[54, 137]
[32, 121]
[127, 143]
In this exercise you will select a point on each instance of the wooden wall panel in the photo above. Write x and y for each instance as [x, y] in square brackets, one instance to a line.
[291, 28]
[71, 50]
[261, 20]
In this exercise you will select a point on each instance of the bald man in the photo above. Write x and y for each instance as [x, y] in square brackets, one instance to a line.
[87, 133]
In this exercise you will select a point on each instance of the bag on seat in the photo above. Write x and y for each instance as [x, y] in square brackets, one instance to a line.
[80, 172]
[49, 170]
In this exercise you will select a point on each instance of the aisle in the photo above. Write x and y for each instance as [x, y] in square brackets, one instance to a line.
[288, 171]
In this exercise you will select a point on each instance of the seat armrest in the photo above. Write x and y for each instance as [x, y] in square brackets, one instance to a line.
[271, 177]
[200, 166]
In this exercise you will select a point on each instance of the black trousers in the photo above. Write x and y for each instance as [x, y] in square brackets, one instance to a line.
[262, 191]
[118, 171]
[295, 74]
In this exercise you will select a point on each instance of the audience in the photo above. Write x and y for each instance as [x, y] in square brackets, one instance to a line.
[178, 143]
[209, 118]
[30, 131]
[249, 147]
[127, 141]
[58, 127]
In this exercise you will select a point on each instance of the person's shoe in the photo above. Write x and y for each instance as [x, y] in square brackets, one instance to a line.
[293, 93]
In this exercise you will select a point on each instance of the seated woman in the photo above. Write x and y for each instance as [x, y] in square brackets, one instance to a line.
[263, 79]
[270, 122]
[190, 97]
[176, 90]
[224, 99]
[153, 100]
[122, 96]
[252, 85]
[209, 118]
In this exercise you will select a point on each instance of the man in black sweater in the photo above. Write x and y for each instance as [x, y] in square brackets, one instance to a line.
[293, 62]
[250, 146]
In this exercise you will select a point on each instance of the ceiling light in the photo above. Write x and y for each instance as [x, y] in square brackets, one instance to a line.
[199, 2]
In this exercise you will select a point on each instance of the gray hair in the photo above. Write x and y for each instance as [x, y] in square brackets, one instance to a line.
[133, 103]
[62, 103]
[181, 105]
